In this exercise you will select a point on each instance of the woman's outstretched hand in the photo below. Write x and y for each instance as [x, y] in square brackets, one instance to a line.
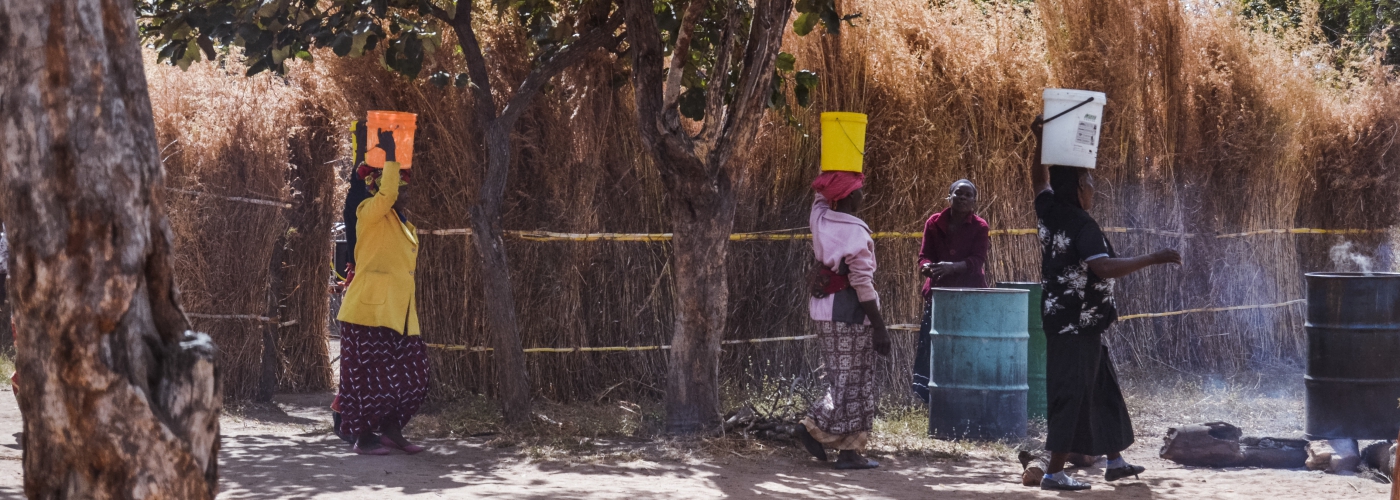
[1167, 256]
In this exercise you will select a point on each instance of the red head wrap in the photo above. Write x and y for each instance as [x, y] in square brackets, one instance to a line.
[372, 175]
[836, 185]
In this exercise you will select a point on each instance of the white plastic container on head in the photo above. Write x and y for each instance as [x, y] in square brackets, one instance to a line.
[1072, 138]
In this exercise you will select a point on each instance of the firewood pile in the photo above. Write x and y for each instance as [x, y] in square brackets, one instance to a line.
[1220, 444]
[748, 423]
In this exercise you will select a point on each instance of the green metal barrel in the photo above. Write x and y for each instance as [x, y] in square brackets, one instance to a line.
[1036, 399]
[978, 357]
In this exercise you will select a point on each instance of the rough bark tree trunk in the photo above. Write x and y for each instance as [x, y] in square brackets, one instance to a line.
[697, 171]
[119, 398]
[703, 217]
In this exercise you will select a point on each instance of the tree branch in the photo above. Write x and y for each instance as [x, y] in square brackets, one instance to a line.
[485, 105]
[554, 64]
[765, 40]
[648, 86]
[681, 54]
[442, 13]
[714, 95]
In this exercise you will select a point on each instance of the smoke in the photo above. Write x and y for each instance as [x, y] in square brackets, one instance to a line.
[1344, 259]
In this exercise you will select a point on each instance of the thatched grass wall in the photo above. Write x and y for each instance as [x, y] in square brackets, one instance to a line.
[224, 136]
[1212, 127]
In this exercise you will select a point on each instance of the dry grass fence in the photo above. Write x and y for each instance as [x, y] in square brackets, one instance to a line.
[1213, 126]
[247, 182]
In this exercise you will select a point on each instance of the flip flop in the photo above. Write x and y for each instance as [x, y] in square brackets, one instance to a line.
[869, 464]
[411, 449]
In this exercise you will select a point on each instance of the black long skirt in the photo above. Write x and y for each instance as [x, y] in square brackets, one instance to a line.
[1087, 413]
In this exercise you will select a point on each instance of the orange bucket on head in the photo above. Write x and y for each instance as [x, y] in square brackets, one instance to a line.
[402, 124]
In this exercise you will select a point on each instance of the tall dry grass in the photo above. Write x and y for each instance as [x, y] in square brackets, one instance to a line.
[1212, 126]
[223, 135]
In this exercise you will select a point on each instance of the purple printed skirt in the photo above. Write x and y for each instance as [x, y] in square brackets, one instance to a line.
[383, 378]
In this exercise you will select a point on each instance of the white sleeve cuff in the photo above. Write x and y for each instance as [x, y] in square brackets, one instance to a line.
[1098, 256]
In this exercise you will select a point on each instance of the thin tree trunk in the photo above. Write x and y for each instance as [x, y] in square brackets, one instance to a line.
[119, 398]
[512, 379]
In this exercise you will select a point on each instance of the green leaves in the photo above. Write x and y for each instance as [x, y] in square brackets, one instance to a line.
[786, 62]
[805, 22]
[810, 12]
[806, 81]
[803, 83]
[273, 32]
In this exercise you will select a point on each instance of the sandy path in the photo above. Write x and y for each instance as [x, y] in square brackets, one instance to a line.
[287, 454]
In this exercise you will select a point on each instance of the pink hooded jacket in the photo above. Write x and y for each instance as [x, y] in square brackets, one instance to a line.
[836, 237]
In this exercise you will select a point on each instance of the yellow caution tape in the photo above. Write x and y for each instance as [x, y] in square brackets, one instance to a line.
[447, 347]
[901, 327]
[1211, 309]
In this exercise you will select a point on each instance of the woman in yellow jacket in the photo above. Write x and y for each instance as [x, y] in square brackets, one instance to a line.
[383, 361]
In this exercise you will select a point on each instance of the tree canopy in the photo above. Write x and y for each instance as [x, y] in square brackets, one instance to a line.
[1368, 25]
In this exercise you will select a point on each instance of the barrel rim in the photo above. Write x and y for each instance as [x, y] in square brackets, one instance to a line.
[979, 290]
[1331, 275]
[1027, 283]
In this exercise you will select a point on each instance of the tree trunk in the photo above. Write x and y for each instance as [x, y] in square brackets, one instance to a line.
[703, 221]
[119, 398]
[508, 359]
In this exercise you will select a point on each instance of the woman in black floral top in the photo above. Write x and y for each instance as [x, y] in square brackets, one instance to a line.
[1087, 414]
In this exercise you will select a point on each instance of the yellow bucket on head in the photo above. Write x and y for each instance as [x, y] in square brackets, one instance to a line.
[843, 141]
[402, 124]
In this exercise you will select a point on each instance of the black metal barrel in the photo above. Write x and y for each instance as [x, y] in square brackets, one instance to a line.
[1353, 374]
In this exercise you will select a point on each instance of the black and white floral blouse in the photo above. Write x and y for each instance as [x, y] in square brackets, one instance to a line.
[1075, 300]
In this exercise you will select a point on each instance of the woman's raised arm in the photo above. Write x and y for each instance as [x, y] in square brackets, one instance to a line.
[1040, 173]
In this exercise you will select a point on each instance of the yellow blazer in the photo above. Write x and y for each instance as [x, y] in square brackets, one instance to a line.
[386, 256]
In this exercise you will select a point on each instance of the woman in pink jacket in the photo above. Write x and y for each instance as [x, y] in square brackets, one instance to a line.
[846, 312]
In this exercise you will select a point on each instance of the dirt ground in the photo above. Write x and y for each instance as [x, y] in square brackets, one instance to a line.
[286, 451]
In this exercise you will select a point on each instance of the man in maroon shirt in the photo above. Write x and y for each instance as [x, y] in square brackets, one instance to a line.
[952, 256]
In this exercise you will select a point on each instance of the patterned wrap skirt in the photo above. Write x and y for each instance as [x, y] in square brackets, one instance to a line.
[843, 418]
[383, 378]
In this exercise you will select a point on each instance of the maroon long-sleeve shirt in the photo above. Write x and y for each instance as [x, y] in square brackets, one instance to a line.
[969, 244]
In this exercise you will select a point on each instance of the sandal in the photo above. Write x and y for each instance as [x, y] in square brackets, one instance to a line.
[1054, 483]
[411, 449]
[1117, 473]
[869, 464]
